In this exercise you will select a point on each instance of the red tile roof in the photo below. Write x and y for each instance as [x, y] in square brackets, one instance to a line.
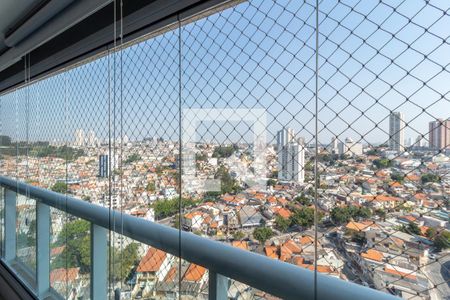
[373, 255]
[271, 251]
[399, 273]
[240, 244]
[293, 246]
[152, 261]
[57, 250]
[64, 275]
[194, 273]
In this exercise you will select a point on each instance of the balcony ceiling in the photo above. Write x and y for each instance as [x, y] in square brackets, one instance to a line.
[10, 12]
[82, 29]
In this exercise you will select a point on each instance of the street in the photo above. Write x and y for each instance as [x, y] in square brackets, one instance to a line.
[439, 274]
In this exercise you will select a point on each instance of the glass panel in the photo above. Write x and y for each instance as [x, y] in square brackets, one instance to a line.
[146, 176]
[2, 222]
[381, 100]
[248, 130]
[26, 231]
[70, 256]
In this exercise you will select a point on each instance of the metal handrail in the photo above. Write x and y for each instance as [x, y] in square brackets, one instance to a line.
[277, 278]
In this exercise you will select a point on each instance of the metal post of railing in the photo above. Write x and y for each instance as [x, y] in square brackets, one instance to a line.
[218, 286]
[42, 248]
[10, 224]
[117, 294]
[99, 254]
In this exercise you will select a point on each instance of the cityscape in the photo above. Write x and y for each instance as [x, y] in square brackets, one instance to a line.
[382, 210]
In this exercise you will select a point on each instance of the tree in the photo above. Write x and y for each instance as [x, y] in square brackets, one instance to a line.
[382, 163]
[151, 187]
[118, 172]
[32, 232]
[353, 211]
[442, 240]
[212, 195]
[430, 178]
[340, 215]
[201, 157]
[238, 235]
[5, 140]
[372, 152]
[302, 199]
[169, 207]
[309, 166]
[176, 221]
[364, 213]
[398, 177]
[430, 233]
[262, 234]
[40, 149]
[75, 236]
[413, 228]
[60, 187]
[132, 158]
[303, 217]
[228, 185]
[223, 151]
[271, 182]
[124, 261]
[282, 224]
[381, 213]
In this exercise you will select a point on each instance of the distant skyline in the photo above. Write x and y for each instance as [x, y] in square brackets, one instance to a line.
[255, 55]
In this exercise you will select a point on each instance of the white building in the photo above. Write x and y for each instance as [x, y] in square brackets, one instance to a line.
[420, 142]
[291, 157]
[79, 138]
[284, 137]
[333, 147]
[92, 140]
[350, 148]
[397, 132]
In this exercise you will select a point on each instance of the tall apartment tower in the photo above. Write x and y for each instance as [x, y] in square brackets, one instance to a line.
[291, 157]
[79, 138]
[285, 136]
[397, 131]
[439, 134]
[333, 147]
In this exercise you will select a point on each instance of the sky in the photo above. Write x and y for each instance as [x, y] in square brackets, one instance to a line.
[375, 56]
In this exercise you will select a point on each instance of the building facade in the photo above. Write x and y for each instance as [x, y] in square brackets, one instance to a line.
[439, 134]
[350, 148]
[291, 157]
[397, 131]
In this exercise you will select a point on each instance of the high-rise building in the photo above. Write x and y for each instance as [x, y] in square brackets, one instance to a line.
[420, 142]
[79, 138]
[409, 142]
[291, 156]
[350, 148]
[92, 140]
[285, 136]
[103, 167]
[397, 132]
[333, 147]
[439, 134]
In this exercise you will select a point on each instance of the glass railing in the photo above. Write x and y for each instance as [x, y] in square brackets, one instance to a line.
[176, 264]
